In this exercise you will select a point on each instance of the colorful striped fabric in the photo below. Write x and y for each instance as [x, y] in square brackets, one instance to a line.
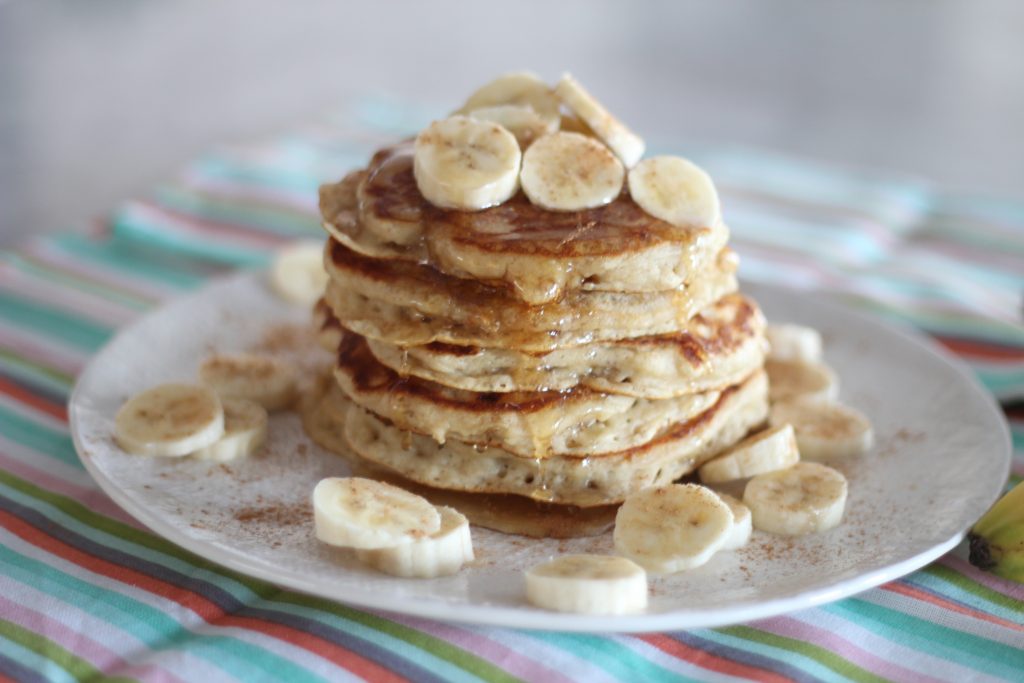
[87, 593]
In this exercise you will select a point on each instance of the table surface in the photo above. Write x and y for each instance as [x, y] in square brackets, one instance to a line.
[85, 590]
[100, 100]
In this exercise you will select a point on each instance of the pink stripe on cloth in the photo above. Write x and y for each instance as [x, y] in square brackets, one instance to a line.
[831, 641]
[225, 234]
[225, 189]
[92, 498]
[53, 257]
[42, 351]
[78, 302]
[80, 644]
[506, 658]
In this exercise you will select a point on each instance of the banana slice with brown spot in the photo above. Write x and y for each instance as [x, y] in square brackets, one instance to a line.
[788, 379]
[570, 172]
[466, 163]
[271, 382]
[667, 529]
[169, 420]
[825, 430]
[353, 512]
[805, 498]
[772, 449]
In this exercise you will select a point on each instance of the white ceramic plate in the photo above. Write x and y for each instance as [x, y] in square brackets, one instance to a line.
[942, 457]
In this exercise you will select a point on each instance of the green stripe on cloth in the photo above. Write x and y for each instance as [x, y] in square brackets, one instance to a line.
[825, 658]
[974, 588]
[31, 666]
[78, 668]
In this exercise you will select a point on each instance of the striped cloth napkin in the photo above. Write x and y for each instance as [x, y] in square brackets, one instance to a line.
[86, 592]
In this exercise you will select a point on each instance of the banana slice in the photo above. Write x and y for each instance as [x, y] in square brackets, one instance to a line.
[789, 379]
[464, 163]
[297, 274]
[268, 381]
[245, 430]
[440, 554]
[570, 172]
[805, 498]
[773, 449]
[741, 523]
[825, 430]
[362, 513]
[523, 122]
[790, 342]
[519, 88]
[588, 584]
[627, 145]
[675, 190]
[170, 420]
[666, 529]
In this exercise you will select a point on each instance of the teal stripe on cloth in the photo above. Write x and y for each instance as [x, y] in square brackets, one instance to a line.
[135, 260]
[38, 437]
[52, 322]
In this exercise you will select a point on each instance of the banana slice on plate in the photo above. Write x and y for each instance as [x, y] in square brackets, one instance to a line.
[441, 554]
[297, 274]
[789, 379]
[570, 172]
[741, 523]
[773, 449]
[627, 145]
[519, 88]
[825, 430]
[271, 382]
[520, 120]
[169, 420]
[789, 342]
[666, 529]
[675, 190]
[353, 512]
[588, 584]
[805, 498]
[245, 430]
[465, 163]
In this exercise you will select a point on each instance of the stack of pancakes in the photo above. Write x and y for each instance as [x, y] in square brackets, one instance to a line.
[531, 367]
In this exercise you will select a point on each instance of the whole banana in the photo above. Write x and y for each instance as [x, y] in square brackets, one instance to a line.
[997, 539]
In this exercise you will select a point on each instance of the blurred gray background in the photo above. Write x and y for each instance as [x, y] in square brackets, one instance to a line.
[101, 99]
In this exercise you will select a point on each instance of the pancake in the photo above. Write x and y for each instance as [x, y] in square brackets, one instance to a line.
[506, 513]
[583, 481]
[576, 422]
[410, 304]
[720, 346]
[535, 254]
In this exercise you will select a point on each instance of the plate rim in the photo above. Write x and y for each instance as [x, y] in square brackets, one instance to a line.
[535, 618]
